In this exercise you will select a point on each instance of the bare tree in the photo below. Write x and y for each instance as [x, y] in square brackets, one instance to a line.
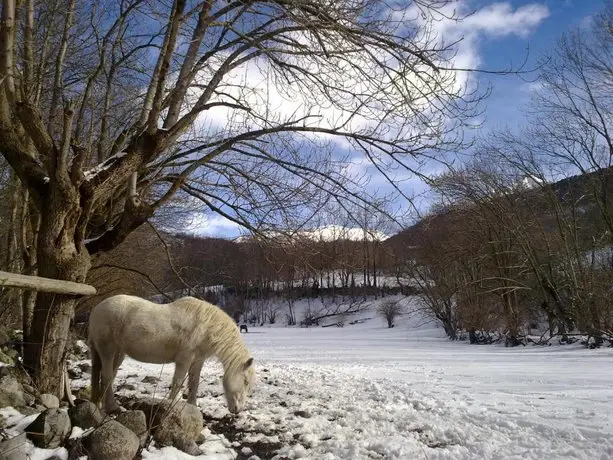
[109, 109]
[390, 310]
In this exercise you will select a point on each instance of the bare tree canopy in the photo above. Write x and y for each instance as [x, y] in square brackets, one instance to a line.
[108, 109]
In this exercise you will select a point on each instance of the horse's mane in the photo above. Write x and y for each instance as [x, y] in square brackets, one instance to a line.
[222, 333]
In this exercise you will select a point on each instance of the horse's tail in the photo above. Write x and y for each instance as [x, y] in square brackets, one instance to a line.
[96, 367]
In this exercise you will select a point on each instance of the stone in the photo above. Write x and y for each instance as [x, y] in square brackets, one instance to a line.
[177, 424]
[11, 392]
[85, 367]
[50, 429]
[49, 401]
[29, 398]
[74, 374]
[186, 445]
[6, 359]
[5, 335]
[11, 353]
[13, 448]
[83, 392]
[85, 414]
[28, 388]
[126, 386]
[112, 441]
[150, 379]
[136, 421]
[18, 373]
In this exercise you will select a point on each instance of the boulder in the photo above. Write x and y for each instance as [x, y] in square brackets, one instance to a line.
[11, 392]
[136, 421]
[85, 414]
[6, 359]
[13, 448]
[50, 429]
[85, 367]
[177, 424]
[83, 393]
[112, 441]
[11, 353]
[5, 335]
[49, 401]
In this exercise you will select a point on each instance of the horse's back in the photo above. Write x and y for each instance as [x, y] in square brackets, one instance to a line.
[143, 330]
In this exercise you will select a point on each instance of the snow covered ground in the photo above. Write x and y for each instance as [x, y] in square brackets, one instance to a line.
[407, 392]
[367, 392]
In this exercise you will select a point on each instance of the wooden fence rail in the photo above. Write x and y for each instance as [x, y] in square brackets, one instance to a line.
[38, 283]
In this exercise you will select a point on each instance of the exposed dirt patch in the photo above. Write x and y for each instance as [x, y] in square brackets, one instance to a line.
[227, 427]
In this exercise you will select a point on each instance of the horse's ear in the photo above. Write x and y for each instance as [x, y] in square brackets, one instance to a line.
[249, 363]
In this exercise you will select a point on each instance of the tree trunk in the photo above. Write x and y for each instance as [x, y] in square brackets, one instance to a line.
[29, 235]
[12, 298]
[59, 257]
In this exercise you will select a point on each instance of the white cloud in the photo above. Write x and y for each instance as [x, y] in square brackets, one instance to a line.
[275, 100]
[213, 225]
[497, 20]
[500, 20]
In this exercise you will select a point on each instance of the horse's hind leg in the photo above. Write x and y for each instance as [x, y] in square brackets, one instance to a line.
[95, 381]
[110, 364]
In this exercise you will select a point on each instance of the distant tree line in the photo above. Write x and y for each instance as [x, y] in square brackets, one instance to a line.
[523, 233]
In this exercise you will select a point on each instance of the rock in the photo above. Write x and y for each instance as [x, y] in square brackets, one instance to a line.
[25, 410]
[50, 429]
[186, 445]
[85, 414]
[16, 335]
[85, 367]
[302, 413]
[74, 374]
[150, 379]
[136, 421]
[112, 441]
[18, 373]
[11, 392]
[30, 399]
[49, 401]
[6, 359]
[11, 353]
[75, 448]
[13, 448]
[83, 393]
[5, 335]
[126, 386]
[79, 350]
[172, 424]
[28, 388]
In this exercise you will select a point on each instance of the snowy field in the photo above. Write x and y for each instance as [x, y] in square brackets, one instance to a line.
[367, 392]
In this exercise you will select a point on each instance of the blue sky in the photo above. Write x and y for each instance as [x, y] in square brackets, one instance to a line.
[496, 37]
[504, 105]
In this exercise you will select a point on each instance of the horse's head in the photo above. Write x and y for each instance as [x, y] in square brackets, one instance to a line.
[237, 384]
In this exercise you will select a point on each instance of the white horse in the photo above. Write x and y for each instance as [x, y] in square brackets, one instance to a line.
[187, 332]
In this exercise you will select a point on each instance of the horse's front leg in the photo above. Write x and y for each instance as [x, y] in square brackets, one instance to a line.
[194, 380]
[182, 364]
